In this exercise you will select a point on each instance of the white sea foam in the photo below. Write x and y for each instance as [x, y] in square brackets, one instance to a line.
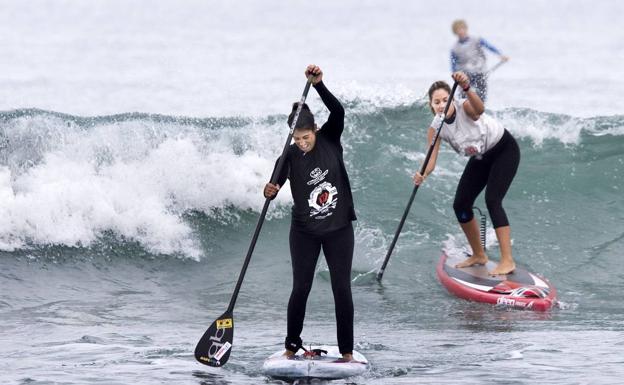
[539, 126]
[67, 184]
[457, 245]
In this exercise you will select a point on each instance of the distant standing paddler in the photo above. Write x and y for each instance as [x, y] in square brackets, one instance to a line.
[467, 55]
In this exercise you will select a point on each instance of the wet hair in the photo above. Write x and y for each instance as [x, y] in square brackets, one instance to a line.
[457, 24]
[440, 84]
[306, 119]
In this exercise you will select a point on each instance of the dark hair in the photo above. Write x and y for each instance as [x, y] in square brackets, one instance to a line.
[440, 84]
[306, 119]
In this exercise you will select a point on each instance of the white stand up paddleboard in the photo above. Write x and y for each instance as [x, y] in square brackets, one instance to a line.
[327, 366]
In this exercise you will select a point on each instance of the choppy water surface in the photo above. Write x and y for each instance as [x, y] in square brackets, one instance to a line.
[125, 218]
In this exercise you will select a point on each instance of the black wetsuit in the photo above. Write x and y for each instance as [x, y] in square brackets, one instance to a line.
[495, 170]
[321, 218]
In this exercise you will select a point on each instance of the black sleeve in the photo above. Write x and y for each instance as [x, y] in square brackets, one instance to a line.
[335, 123]
[283, 175]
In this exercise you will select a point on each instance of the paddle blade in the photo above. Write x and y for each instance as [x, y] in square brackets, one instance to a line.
[214, 347]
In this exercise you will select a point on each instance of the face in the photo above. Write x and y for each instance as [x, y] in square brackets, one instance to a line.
[461, 32]
[438, 102]
[305, 138]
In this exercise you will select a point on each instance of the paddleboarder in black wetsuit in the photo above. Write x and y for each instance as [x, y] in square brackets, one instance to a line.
[321, 215]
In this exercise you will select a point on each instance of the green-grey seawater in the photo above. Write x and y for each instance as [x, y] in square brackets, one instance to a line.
[122, 238]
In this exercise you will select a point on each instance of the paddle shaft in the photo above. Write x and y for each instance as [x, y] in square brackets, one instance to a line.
[494, 67]
[415, 190]
[276, 173]
[215, 345]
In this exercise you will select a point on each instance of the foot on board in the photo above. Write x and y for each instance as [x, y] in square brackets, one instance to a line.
[473, 260]
[503, 268]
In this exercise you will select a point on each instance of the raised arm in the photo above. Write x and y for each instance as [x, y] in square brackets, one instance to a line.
[335, 123]
[473, 105]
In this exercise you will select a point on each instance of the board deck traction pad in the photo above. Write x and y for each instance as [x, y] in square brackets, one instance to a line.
[475, 283]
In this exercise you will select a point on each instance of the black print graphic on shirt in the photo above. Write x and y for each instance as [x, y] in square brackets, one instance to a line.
[323, 198]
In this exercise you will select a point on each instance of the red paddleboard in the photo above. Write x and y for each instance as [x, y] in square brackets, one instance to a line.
[519, 290]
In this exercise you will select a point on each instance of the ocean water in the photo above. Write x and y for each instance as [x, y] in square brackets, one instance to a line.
[135, 139]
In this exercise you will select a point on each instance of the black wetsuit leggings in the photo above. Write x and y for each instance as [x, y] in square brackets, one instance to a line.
[304, 251]
[494, 172]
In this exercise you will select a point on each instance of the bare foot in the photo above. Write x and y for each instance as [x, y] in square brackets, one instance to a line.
[288, 353]
[348, 357]
[504, 268]
[473, 260]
